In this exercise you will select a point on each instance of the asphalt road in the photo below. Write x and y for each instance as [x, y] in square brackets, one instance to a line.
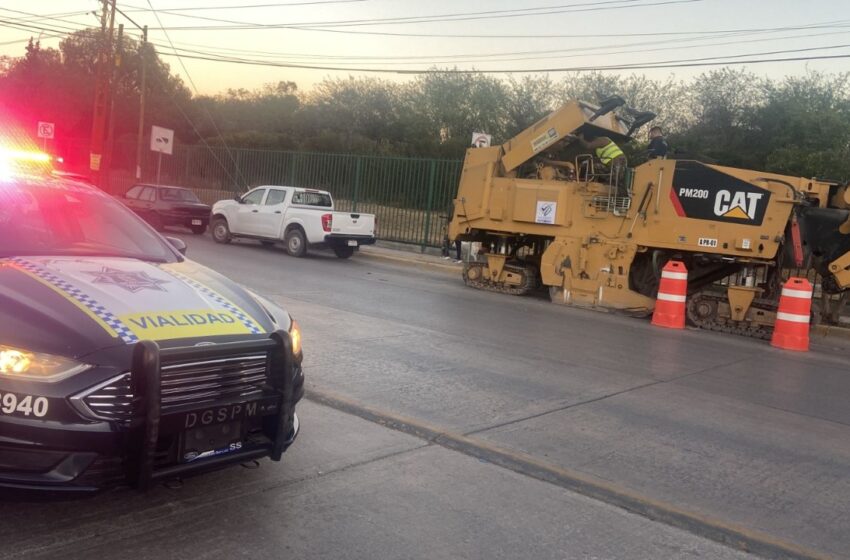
[486, 409]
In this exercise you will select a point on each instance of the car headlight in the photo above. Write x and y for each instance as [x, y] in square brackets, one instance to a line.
[35, 366]
[295, 336]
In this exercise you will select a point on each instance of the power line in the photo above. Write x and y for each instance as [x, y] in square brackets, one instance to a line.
[494, 57]
[468, 16]
[594, 35]
[36, 17]
[540, 36]
[683, 63]
[250, 6]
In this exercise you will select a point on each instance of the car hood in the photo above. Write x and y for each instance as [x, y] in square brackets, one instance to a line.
[73, 306]
[196, 206]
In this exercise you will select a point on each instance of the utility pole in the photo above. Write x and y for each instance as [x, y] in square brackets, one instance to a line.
[110, 134]
[102, 91]
[143, 56]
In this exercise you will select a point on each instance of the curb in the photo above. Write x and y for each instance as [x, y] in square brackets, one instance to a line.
[830, 335]
[443, 268]
[729, 534]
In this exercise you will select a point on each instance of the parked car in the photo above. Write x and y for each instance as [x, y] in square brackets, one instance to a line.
[162, 206]
[300, 218]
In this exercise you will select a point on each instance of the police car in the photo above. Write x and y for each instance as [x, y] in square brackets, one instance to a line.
[121, 361]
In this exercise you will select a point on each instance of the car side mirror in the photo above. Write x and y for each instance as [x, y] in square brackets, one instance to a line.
[238, 199]
[178, 244]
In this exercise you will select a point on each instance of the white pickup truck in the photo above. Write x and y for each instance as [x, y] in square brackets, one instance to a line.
[300, 218]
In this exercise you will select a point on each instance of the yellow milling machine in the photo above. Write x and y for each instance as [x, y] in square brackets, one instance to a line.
[545, 211]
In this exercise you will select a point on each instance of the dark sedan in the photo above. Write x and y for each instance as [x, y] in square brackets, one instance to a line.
[163, 206]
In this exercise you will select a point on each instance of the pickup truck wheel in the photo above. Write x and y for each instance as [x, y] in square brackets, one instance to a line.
[343, 251]
[220, 231]
[296, 243]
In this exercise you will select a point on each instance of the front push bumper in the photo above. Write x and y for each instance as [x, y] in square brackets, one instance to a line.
[52, 459]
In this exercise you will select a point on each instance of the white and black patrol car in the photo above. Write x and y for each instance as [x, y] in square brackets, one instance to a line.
[122, 362]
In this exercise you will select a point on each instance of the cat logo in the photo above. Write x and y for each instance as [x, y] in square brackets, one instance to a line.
[740, 205]
[702, 192]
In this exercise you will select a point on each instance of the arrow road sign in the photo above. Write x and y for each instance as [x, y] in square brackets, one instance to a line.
[162, 140]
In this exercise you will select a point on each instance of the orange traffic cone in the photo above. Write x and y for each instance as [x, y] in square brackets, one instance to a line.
[791, 330]
[672, 294]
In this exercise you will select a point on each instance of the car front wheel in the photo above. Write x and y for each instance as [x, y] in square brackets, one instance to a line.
[220, 231]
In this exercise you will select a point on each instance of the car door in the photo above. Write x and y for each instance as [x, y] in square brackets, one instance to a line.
[247, 213]
[131, 197]
[146, 202]
[270, 215]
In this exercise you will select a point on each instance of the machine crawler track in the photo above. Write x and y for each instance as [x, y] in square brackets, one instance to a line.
[473, 276]
[703, 313]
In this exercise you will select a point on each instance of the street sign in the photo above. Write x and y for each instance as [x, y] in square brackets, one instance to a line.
[162, 140]
[46, 130]
[481, 140]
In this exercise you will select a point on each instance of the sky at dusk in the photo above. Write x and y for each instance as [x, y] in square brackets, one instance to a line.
[343, 37]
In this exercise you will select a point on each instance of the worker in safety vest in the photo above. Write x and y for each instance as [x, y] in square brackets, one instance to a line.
[608, 153]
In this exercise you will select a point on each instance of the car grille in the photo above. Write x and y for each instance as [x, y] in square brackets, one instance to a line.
[114, 400]
[184, 383]
[214, 380]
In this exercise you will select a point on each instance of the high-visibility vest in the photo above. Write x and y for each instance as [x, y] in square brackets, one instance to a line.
[608, 153]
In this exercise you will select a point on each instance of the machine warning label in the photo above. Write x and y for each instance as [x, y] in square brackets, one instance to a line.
[707, 242]
[546, 139]
[546, 212]
[704, 193]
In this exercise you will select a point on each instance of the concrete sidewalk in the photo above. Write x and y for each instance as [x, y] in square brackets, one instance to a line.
[411, 255]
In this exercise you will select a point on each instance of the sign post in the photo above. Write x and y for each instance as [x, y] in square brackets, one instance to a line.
[162, 142]
[46, 130]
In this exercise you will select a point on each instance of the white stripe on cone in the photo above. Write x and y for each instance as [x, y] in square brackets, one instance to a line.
[671, 297]
[792, 317]
[674, 275]
[802, 294]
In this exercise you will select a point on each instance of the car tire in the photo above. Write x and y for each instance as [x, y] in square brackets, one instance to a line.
[296, 243]
[198, 230]
[343, 251]
[221, 231]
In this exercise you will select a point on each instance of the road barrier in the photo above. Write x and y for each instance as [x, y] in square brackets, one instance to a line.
[670, 306]
[791, 330]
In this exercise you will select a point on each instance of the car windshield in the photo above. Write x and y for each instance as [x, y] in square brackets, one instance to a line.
[177, 195]
[54, 217]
